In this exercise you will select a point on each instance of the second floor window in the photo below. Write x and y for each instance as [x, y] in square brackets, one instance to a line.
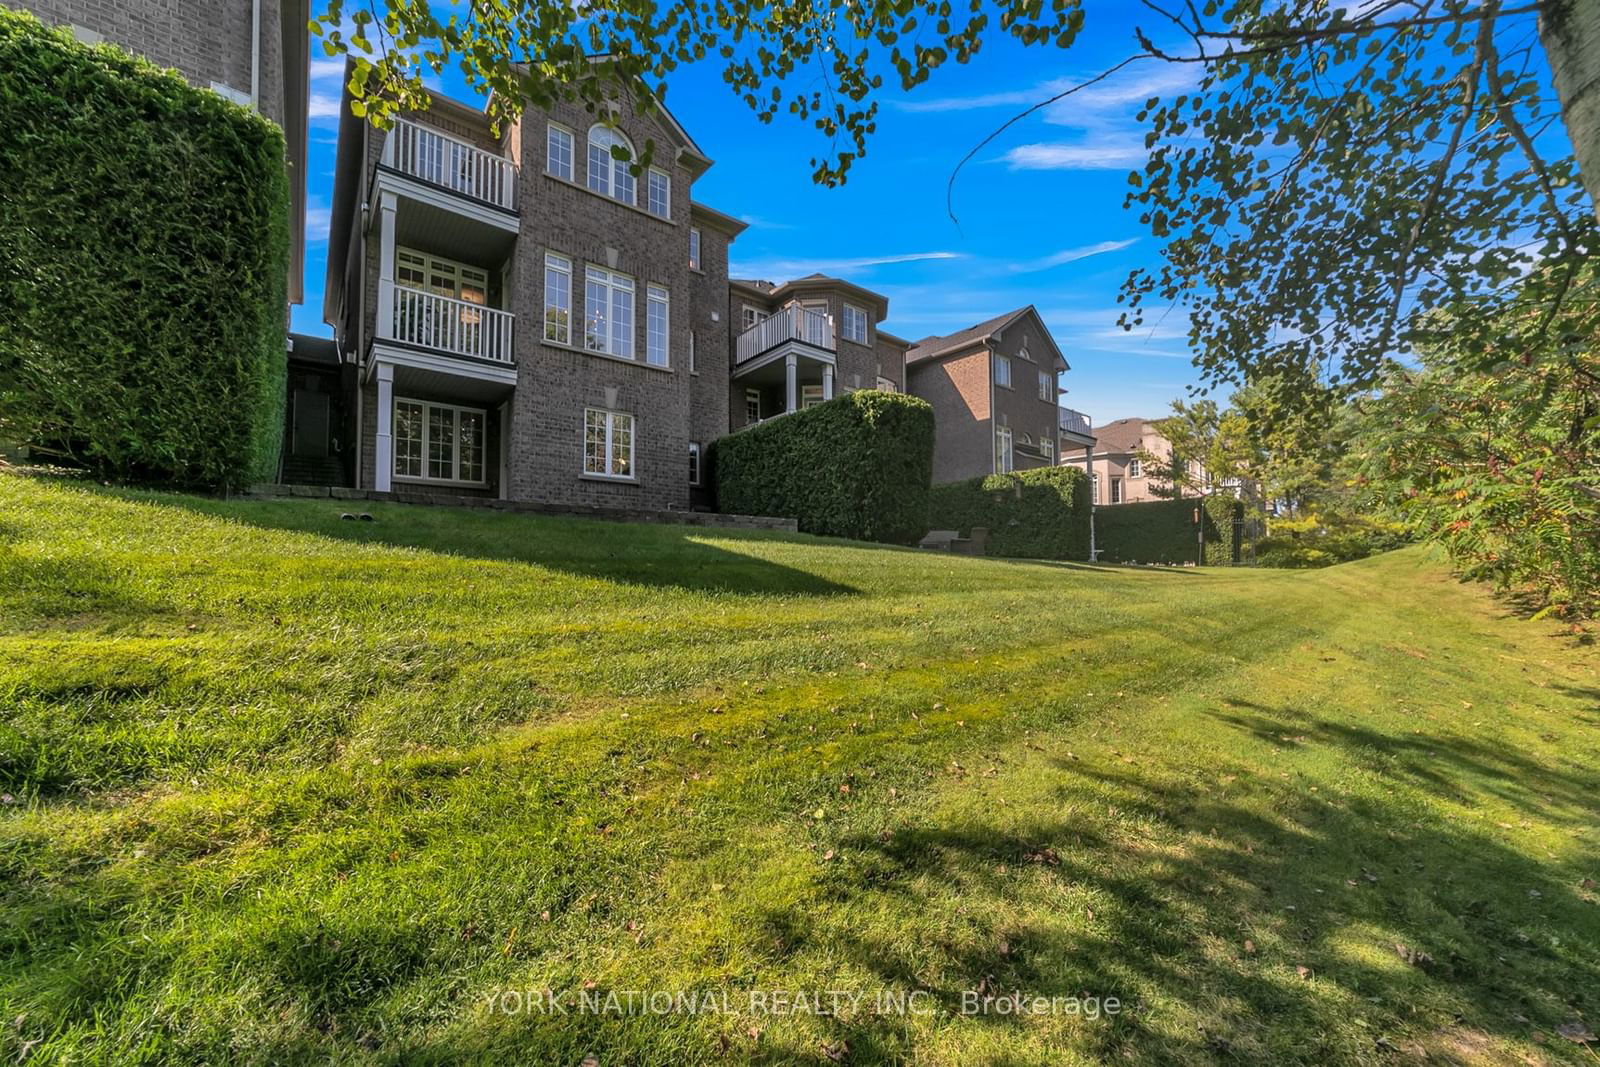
[655, 326]
[1002, 372]
[1046, 386]
[1116, 490]
[558, 152]
[608, 312]
[694, 249]
[608, 175]
[558, 299]
[658, 193]
[1133, 468]
[854, 322]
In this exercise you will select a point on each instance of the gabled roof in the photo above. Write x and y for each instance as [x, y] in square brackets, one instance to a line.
[1123, 436]
[982, 333]
[810, 283]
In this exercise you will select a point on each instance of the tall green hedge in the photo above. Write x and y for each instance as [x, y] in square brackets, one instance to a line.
[1036, 514]
[143, 263]
[1164, 531]
[856, 466]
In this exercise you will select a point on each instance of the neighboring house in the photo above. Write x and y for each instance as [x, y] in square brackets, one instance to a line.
[798, 343]
[254, 52]
[1120, 471]
[318, 448]
[995, 393]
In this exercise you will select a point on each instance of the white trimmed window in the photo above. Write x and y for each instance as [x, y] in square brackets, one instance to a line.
[854, 322]
[438, 442]
[749, 316]
[1134, 470]
[608, 175]
[655, 326]
[810, 396]
[1094, 488]
[658, 193]
[694, 249]
[608, 312]
[1046, 386]
[1004, 461]
[694, 366]
[607, 443]
[557, 298]
[1116, 490]
[1047, 445]
[752, 405]
[694, 462]
[887, 385]
[1002, 372]
[558, 152]
[1023, 352]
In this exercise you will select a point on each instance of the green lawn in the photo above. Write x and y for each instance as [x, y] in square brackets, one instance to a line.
[284, 788]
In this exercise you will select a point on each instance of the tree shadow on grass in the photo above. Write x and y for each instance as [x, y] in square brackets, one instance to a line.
[626, 553]
[1340, 885]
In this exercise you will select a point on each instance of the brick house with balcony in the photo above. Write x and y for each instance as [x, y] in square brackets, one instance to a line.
[995, 393]
[524, 318]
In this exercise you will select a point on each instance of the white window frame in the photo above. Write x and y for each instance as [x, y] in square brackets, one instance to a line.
[612, 422]
[810, 396]
[1047, 445]
[694, 248]
[613, 178]
[1135, 469]
[1117, 493]
[658, 335]
[1005, 459]
[887, 385]
[617, 341]
[554, 132]
[752, 401]
[1002, 371]
[1023, 353]
[456, 411]
[849, 319]
[749, 315]
[557, 265]
[695, 471]
[1094, 488]
[1047, 387]
[650, 178]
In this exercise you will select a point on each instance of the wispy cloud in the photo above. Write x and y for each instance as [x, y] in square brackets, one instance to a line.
[758, 222]
[781, 269]
[323, 106]
[323, 69]
[1116, 93]
[1072, 255]
[1068, 155]
[319, 216]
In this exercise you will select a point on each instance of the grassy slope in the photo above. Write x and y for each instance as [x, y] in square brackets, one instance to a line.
[284, 791]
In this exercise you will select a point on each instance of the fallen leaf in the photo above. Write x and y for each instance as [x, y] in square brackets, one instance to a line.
[1576, 1032]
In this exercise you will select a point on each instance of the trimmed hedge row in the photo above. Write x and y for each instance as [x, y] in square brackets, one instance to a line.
[856, 466]
[1164, 531]
[1035, 514]
[143, 263]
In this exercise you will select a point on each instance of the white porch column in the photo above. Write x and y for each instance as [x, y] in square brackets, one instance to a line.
[791, 392]
[386, 209]
[383, 453]
[827, 381]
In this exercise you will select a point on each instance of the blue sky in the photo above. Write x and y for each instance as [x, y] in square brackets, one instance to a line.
[1040, 209]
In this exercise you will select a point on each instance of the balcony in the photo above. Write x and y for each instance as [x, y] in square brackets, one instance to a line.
[443, 324]
[439, 159]
[790, 324]
[1075, 422]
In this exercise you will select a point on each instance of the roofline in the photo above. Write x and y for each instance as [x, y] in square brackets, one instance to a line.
[347, 193]
[825, 282]
[893, 338]
[296, 127]
[726, 223]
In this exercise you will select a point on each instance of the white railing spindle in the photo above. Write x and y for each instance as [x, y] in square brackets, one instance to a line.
[453, 163]
[458, 327]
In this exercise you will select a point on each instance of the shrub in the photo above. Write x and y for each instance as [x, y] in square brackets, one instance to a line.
[856, 466]
[1036, 514]
[1164, 531]
[143, 264]
[1315, 541]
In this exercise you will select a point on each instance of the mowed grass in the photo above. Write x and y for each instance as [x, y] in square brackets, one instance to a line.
[290, 789]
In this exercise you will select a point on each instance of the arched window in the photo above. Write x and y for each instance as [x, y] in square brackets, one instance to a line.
[607, 175]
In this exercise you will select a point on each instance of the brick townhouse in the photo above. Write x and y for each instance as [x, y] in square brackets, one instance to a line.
[1120, 468]
[995, 392]
[254, 52]
[526, 319]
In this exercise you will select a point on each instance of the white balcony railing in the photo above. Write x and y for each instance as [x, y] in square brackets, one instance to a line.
[792, 323]
[458, 166]
[442, 323]
[1075, 422]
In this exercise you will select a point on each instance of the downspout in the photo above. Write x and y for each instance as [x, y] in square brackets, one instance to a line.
[361, 307]
[255, 54]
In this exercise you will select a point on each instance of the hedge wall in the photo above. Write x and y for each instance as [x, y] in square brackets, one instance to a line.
[1163, 531]
[143, 263]
[856, 466]
[1036, 514]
